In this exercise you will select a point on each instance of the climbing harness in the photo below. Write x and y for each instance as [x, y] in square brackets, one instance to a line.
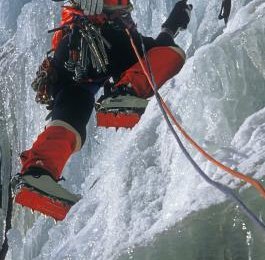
[87, 46]
[225, 10]
[168, 114]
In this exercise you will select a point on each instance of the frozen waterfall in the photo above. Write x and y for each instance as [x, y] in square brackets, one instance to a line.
[148, 202]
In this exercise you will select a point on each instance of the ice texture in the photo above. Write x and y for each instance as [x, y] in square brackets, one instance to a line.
[143, 183]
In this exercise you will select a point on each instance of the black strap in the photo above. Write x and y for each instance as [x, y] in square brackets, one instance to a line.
[225, 10]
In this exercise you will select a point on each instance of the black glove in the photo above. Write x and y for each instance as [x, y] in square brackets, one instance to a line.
[179, 17]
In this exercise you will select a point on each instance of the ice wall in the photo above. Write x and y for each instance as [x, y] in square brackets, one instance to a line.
[144, 184]
[20, 56]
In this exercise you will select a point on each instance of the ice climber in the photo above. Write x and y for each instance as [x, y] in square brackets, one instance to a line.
[91, 50]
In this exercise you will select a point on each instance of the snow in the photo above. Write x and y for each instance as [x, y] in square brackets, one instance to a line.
[144, 184]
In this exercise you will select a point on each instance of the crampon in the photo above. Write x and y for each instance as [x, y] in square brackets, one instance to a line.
[43, 194]
[120, 111]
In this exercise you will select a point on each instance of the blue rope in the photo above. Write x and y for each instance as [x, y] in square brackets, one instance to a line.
[225, 190]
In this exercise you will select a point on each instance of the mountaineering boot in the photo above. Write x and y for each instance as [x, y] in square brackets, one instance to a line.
[37, 190]
[36, 186]
[122, 99]
[121, 108]
[126, 109]
[178, 18]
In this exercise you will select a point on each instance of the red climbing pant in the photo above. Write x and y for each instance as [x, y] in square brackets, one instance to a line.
[52, 149]
[165, 63]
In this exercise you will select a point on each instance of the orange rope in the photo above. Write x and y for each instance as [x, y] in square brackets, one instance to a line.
[218, 164]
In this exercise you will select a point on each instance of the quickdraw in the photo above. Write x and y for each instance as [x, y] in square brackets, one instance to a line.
[92, 41]
[87, 46]
[46, 76]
